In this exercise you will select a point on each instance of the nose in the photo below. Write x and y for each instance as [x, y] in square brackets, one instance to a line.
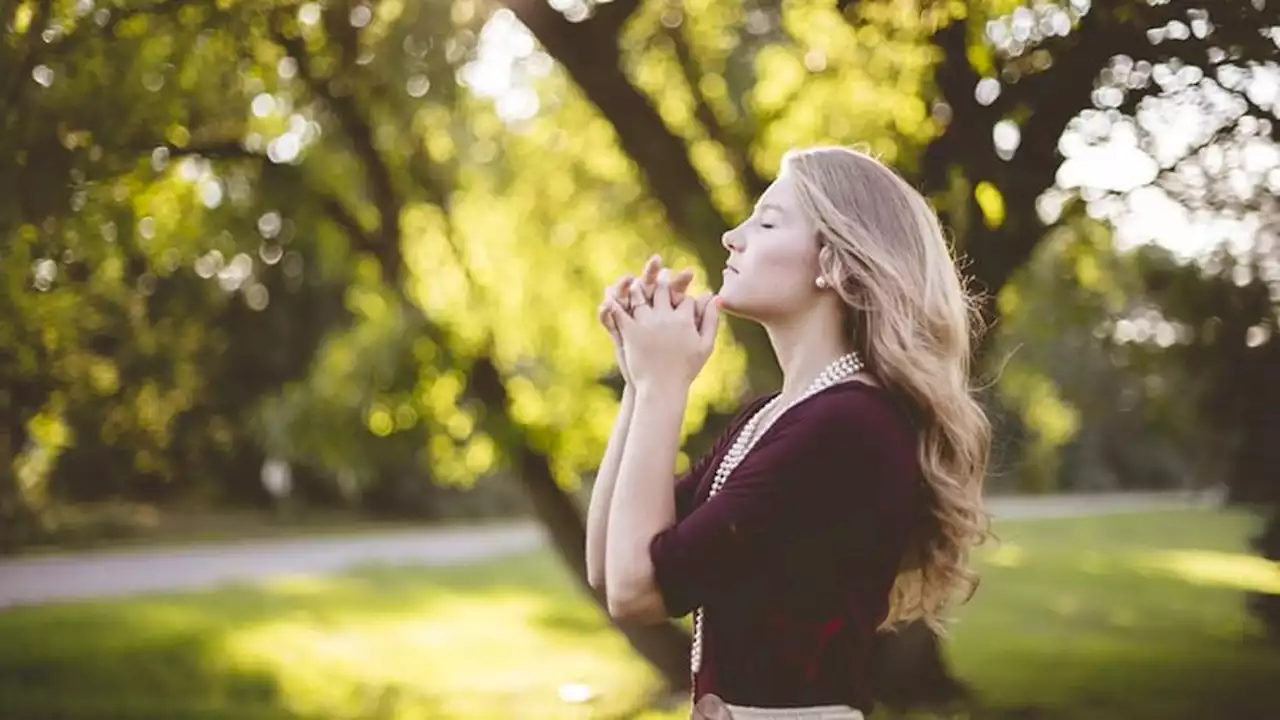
[730, 241]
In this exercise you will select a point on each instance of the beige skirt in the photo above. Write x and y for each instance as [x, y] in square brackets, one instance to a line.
[820, 712]
[711, 707]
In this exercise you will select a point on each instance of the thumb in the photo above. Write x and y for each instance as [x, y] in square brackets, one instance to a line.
[710, 323]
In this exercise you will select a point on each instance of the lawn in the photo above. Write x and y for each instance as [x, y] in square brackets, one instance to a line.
[1123, 617]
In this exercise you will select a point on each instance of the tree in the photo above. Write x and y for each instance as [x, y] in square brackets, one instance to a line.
[444, 223]
[280, 163]
[1001, 103]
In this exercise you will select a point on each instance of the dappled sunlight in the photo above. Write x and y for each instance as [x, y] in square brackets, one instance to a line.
[1006, 555]
[1094, 562]
[517, 639]
[506, 639]
[1128, 616]
[467, 654]
[1065, 605]
[1204, 567]
[300, 585]
[324, 257]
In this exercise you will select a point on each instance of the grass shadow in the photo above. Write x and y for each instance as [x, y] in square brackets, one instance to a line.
[376, 642]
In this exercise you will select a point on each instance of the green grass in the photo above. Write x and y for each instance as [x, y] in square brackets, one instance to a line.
[1131, 616]
[1123, 617]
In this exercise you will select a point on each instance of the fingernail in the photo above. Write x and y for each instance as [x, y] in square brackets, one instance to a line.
[719, 301]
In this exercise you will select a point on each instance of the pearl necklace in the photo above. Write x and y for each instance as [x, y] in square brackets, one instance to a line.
[843, 368]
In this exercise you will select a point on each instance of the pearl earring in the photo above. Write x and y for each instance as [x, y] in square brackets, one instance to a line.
[821, 283]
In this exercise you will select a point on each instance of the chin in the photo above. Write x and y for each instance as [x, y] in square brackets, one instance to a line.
[737, 300]
[730, 305]
[727, 302]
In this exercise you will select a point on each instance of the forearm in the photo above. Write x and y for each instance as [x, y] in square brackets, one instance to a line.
[602, 490]
[643, 502]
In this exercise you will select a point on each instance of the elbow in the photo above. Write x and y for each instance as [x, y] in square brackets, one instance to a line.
[595, 579]
[638, 603]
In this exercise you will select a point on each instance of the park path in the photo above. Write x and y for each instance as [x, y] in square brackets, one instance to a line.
[51, 578]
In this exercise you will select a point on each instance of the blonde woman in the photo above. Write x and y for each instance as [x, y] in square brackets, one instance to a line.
[843, 504]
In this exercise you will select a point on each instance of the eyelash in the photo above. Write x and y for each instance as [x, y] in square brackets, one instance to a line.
[766, 226]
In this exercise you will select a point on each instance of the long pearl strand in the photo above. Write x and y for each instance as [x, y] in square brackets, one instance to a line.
[841, 369]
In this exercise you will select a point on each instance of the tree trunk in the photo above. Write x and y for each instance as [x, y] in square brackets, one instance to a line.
[909, 672]
[913, 669]
[588, 50]
[20, 524]
[665, 646]
[1254, 475]
[910, 669]
[1266, 606]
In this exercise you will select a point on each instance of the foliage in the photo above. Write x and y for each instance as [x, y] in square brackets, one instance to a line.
[1095, 369]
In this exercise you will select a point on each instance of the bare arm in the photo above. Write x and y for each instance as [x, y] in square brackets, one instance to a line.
[606, 477]
[602, 491]
[643, 502]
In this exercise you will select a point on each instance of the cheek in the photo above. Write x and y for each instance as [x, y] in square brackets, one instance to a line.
[779, 272]
[787, 263]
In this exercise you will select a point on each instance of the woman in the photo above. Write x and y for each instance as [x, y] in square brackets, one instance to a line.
[844, 504]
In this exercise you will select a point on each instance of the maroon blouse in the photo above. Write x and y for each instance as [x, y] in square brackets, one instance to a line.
[794, 558]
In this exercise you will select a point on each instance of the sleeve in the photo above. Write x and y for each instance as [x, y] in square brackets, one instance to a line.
[686, 486]
[828, 460]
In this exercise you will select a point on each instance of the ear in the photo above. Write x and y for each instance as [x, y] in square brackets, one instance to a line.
[826, 256]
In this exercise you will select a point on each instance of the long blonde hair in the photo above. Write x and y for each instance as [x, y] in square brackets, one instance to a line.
[884, 252]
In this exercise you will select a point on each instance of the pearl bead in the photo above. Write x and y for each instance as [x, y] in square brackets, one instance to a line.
[841, 369]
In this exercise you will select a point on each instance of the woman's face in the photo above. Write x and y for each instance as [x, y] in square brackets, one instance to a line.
[773, 257]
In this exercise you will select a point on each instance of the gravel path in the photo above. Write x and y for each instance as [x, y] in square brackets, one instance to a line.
[124, 572]
[52, 578]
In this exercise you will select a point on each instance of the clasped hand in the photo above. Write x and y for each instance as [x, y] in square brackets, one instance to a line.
[662, 336]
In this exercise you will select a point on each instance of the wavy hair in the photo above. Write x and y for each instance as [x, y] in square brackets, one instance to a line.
[884, 251]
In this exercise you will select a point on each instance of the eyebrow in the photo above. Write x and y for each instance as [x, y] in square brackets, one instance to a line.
[769, 206]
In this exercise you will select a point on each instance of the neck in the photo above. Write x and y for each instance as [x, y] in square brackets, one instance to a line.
[806, 345]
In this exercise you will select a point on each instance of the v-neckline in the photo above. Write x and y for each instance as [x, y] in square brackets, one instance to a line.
[704, 489]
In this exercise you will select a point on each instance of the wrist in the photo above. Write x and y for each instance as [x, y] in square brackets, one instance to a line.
[649, 390]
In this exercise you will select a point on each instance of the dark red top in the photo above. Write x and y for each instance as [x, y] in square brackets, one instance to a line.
[794, 558]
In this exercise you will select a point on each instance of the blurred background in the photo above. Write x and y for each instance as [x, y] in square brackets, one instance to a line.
[302, 388]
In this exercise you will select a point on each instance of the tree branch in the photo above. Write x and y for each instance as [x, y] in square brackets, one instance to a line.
[215, 150]
[847, 7]
[347, 222]
[610, 17]
[380, 185]
[733, 146]
[7, 8]
[360, 238]
[589, 52]
[1054, 97]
